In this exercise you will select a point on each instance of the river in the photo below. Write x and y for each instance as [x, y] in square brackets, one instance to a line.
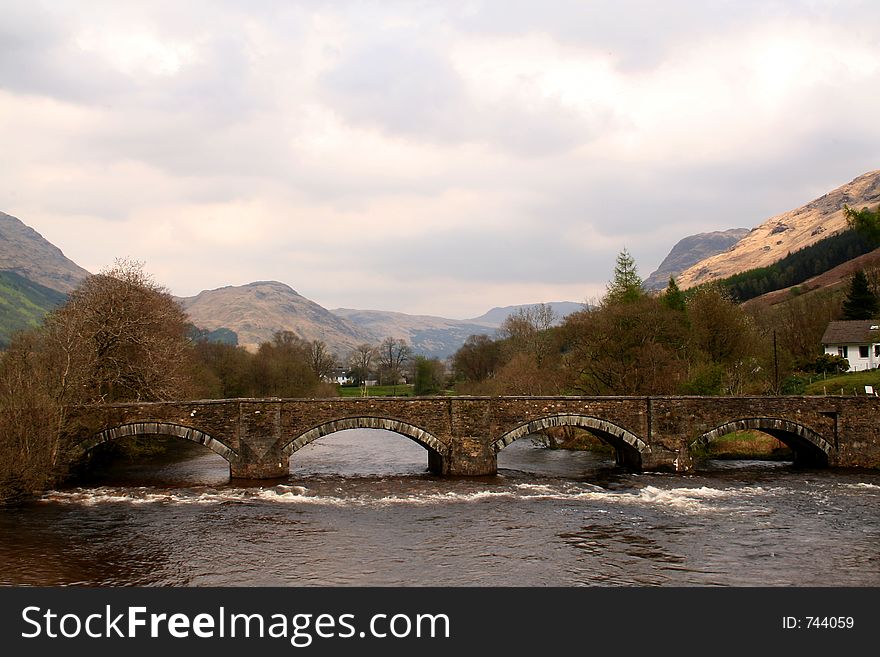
[359, 508]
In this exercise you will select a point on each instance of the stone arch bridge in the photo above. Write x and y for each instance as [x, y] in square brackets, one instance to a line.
[463, 435]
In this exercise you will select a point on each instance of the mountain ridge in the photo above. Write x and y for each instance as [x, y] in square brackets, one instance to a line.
[30, 255]
[690, 250]
[787, 232]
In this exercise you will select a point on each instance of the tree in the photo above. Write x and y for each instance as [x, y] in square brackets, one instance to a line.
[391, 356]
[477, 359]
[31, 418]
[673, 298]
[635, 348]
[723, 336]
[865, 222]
[119, 337]
[360, 362]
[626, 286]
[527, 330]
[232, 368]
[429, 375]
[283, 367]
[320, 360]
[860, 301]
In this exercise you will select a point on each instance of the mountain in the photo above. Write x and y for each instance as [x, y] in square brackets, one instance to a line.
[23, 304]
[25, 252]
[691, 250]
[35, 277]
[257, 310]
[787, 232]
[428, 336]
[496, 316]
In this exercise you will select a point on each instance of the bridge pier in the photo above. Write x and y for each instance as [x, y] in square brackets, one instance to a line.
[661, 458]
[467, 457]
[259, 470]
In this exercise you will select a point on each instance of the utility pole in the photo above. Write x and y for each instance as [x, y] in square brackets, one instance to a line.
[775, 365]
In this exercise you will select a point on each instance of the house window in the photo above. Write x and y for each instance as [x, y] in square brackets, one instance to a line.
[842, 351]
[877, 351]
[863, 351]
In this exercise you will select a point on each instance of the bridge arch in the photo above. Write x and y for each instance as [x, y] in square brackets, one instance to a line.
[424, 438]
[159, 429]
[810, 448]
[629, 447]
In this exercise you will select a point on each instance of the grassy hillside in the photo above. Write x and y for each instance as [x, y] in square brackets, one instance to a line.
[23, 304]
[852, 383]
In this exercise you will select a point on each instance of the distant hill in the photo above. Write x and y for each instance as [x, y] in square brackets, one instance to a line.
[25, 252]
[429, 336]
[496, 316]
[787, 232]
[691, 250]
[254, 312]
[437, 336]
[23, 304]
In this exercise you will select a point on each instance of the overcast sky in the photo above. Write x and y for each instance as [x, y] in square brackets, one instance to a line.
[426, 157]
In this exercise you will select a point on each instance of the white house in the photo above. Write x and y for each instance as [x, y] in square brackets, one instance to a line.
[857, 340]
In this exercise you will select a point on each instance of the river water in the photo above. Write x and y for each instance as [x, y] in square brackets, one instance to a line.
[359, 508]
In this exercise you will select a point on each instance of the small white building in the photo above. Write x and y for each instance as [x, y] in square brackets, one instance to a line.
[857, 340]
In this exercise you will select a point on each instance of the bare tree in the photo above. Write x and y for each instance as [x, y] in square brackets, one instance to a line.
[528, 330]
[391, 356]
[320, 360]
[360, 362]
[120, 337]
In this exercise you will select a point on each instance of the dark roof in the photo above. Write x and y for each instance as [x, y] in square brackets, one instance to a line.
[854, 331]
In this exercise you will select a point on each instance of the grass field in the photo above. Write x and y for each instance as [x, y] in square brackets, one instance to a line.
[852, 383]
[745, 445]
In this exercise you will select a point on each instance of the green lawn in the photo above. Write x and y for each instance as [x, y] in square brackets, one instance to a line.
[852, 383]
[744, 445]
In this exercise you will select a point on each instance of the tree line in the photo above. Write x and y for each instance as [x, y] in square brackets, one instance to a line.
[698, 342]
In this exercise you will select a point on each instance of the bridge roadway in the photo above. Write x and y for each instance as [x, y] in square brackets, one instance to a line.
[463, 435]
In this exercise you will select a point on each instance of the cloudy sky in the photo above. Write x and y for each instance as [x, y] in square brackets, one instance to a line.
[426, 157]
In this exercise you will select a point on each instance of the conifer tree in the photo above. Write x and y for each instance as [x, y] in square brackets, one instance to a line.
[626, 286]
[860, 302]
[673, 298]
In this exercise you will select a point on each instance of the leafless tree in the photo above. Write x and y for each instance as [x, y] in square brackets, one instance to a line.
[320, 360]
[360, 362]
[391, 356]
[528, 330]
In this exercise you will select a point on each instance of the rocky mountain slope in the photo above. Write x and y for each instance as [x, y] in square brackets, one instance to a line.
[691, 250]
[25, 252]
[787, 232]
[255, 311]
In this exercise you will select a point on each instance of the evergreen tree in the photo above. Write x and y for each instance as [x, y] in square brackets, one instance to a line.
[860, 302]
[673, 298]
[626, 286]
